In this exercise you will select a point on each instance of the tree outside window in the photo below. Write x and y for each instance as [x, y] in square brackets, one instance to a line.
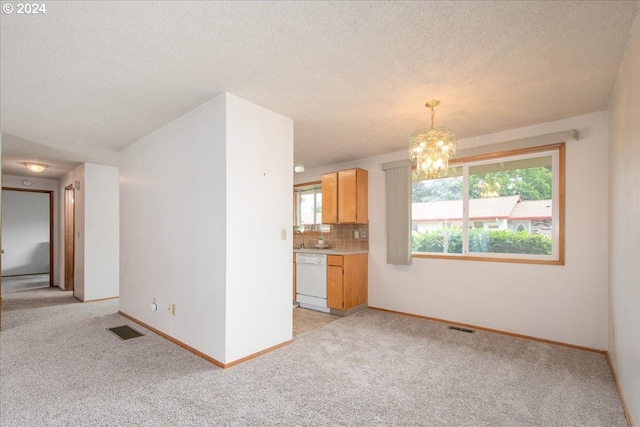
[510, 209]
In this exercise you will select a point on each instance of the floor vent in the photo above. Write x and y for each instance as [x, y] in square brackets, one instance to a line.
[458, 328]
[125, 332]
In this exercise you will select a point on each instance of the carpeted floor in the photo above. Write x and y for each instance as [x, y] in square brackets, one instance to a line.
[61, 367]
[28, 299]
[24, 283]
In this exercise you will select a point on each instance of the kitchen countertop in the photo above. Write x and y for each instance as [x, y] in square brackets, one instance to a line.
[331, 251]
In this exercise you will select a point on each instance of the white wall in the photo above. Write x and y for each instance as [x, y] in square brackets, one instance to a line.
[624, 226]
[25, 231]
[259, 280]
[96, 231]
[172, 228]
[561, 303]
[101, 232]
[14, 181]
[190, 233]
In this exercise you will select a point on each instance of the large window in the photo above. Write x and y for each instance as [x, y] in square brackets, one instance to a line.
[501, 207]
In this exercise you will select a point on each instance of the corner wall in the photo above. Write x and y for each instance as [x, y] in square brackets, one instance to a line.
[259, 311]
[202, 203]
[559, 303]
[172, 228]
[624, 227]
[102, 235]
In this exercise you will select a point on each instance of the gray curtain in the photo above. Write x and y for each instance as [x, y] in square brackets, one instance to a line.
[398, 212]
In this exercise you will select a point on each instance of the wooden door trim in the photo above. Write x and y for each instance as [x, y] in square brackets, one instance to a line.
[69, 270]
[51, 243]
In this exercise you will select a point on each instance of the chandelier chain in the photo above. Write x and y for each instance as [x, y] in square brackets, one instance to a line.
[433, 114]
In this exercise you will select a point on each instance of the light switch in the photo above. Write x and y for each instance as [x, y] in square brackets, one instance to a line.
[283, 234]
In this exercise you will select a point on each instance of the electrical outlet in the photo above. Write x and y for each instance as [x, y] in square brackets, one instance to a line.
[172, 309]
[356, 234]
[363, 234]
[283, 234]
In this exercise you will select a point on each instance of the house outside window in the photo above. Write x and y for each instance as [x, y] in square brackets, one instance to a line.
[503, 208]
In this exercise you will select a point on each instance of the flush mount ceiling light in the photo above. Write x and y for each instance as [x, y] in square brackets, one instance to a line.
[432, 148]
[36, 167]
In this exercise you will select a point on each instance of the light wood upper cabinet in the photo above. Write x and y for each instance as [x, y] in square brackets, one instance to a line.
[345, 198]
[347, 281]
[330, 198]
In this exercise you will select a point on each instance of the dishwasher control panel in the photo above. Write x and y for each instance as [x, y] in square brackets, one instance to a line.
[317, 259]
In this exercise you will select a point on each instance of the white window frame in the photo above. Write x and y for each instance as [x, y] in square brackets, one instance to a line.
[317, 226]
[298, 192]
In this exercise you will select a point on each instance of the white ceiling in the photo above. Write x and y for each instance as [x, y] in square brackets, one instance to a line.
[86, 79]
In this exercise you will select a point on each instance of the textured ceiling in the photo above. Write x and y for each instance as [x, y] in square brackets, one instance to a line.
[86, 79]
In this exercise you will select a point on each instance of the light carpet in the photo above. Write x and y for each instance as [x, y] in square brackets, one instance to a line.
[27, 299]
[26, 282]
[61, 367]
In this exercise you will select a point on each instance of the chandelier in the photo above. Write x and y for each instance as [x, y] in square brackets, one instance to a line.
[431, 149]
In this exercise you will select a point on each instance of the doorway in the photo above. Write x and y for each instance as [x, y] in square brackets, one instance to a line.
[69, 234]
[27, 246]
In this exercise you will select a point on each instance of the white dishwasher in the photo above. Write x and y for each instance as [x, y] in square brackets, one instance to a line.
[311, 281]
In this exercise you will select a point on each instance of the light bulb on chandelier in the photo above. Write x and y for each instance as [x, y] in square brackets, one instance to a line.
[431, 149]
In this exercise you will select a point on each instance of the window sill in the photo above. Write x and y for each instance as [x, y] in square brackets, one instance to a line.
[490, 259]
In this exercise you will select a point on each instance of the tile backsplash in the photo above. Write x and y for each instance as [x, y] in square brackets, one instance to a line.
[341, 236]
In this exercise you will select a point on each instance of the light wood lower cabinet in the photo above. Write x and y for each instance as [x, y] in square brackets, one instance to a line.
[347, 281]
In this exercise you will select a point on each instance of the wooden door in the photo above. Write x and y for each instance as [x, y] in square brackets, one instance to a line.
[335, 298]
[330, 198]
[69, 237]
[355, 279]
[335, 283]
[347, 196]
[362, 196]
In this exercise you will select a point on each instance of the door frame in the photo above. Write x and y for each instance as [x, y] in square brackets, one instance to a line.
[69, 222]
[51, 243]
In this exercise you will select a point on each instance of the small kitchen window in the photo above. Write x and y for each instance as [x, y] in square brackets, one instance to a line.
[308, 207]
